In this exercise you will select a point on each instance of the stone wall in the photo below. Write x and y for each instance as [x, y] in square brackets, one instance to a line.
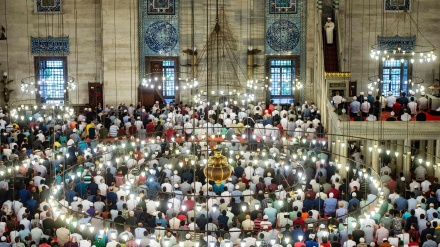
[104, 42]
[361, 22]
[120, 60]
[84, 59]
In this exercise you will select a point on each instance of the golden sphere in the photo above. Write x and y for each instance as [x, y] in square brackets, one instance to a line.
[217, 168]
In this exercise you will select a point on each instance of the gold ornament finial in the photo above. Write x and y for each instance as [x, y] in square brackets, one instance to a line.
[217, 168]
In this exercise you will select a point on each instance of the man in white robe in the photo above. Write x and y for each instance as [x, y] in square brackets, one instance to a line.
[329, 26]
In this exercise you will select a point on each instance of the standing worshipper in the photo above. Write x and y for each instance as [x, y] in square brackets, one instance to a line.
[354, 107]
[329, 27]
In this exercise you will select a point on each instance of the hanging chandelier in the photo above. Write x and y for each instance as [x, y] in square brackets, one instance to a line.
[264, 83]
[401, 48]
[51, 112]
[28, 85]
[375, 82]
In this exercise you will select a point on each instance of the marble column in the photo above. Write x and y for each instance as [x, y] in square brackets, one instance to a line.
[429, 156]
[407, 164]
[368, 153]
[375, 157]
[422, 149]
[343, 155]
[437, 157]
[399, 159]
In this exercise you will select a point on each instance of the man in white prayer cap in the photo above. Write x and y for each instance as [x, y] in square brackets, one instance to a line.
[329, 27]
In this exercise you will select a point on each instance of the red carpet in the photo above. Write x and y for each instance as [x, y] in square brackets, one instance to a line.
[429, 117]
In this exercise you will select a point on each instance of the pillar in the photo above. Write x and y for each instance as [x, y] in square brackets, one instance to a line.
[407, 164]
[343, 154]
[330, 137]
[399, 159]
[422, 149]
[337, 148]
[429, 156]
[437, 157]
[367, 153]
[375, 157]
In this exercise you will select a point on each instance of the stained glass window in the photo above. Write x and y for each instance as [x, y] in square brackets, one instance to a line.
[168, 79]
[282, 75]
[51, 79]
[395, 75]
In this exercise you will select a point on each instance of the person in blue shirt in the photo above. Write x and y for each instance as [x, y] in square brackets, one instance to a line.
[223, 219]
[318, 203]
[271, 213]
[306, 113]
[296, 233]
[70, 194]
[188, 175]
[32, 205]
[355, 107]
[267, 121]
[287, 233]
[370, 98]
[93, 187]
[330, 204]
[23, 232]
[112, 197]
[236, 194]
[83, 145]
[218, 188]
[352, 201]
[178, 193]
[81, 188]
[311, 242]
[59, 178]
[153, 187]
[401, 203]
[238, 170]
[161, 220]
[24, 194]
[308, 203]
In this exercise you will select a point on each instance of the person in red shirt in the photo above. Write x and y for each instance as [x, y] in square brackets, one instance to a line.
[310, 192]
[414, 233]
[31, 186]
[325, 242]
[244, 179]
[413, 242]
[150, 127]
[138, 154]
[280, 128]
[43, 243]
[299, 220]
[132, 130]
[271, 106]
[122, 132]
[169, 133]
[182, 217]
[334, 191]
[392, 184]
[396, 108]
[189, 204]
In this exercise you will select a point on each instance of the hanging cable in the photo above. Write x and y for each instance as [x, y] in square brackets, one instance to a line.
[207, 51]
[114, 33]
[362, 43]
[29, 41]
[95, 50]
[76, 49]
[131, 56]
[7, 43]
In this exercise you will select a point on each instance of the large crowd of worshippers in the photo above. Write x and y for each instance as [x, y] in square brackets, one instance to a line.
[370, 108]
[172, 202]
